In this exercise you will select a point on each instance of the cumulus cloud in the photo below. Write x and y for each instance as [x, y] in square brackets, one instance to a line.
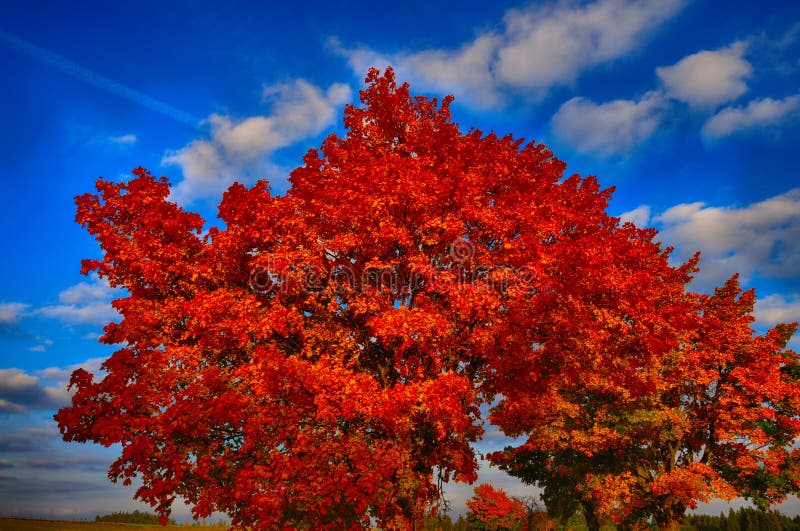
[707, 79]
[610, 128]
[539, 47]
[11, 312]
[469, 65]
[84, 303]
[551, 44]
[6, 406]
[467, 70]
[758, 113]
[27, 440]
[14, 380]
[777, 308]
[239, 149]
[639, 216]
[62, 374]
[760, 238]
[21, 391]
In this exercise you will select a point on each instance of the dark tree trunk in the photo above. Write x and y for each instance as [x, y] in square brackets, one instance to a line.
[592, 522]
[670, 519]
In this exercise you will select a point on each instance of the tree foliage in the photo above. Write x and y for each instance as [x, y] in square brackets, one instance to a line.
[135, 517]
[319, 359]
[492, 509]
[744, 519]
[718, 422]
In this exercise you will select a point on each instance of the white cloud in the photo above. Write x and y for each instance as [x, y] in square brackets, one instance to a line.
[776, 308]
[467, 71]
[469, 65]
[7, 406]
[63, 373]
[550, 45]
[757, 113]
[610, 128]
[11, 312]
[639, 216]
[42, 346]
[707, 78]
[98, 313]
[760, 238]
[539, 47]
[21, 391]
[127, 139]
[15, 380]
[84, 303]
[240, 149]
[87, 292]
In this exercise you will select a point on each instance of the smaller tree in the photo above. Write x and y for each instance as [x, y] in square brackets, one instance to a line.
[718, 418]
[493, 509]
[536, 518]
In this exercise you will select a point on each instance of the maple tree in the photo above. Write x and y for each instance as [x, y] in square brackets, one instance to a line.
[320, 360]
[317, 361]
[494, 510]
[718, 422]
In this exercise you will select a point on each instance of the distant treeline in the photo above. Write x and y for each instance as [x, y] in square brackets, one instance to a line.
[743, 520]
[136, 517]
[740, 520]
[445, 523]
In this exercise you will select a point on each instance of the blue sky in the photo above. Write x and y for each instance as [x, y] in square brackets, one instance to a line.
[691, 109]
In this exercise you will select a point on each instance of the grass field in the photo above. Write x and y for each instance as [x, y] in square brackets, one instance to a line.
[18, 524]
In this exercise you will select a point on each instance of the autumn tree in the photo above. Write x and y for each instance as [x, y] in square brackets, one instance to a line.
[718, 421]
[319, 360]
[734, 399]
[492, 509]
[536, 518]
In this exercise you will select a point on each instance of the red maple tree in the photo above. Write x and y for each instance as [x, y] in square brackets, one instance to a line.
[313, 362]
[717, 419]
[494, 510]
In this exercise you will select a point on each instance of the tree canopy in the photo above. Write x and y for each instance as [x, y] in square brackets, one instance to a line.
[320, 359]
[492, 509]
[718, 422]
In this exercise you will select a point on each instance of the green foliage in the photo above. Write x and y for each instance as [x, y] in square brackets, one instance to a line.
[136, 517]
[745, 519]
[437, 523]
[445, 523]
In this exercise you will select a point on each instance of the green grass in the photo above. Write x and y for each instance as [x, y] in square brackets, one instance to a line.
[19, 524]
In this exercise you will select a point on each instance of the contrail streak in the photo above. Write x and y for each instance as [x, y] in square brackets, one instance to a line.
[84, 74]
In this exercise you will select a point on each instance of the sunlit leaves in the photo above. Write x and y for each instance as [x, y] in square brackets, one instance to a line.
[319, 361]
[492, 509]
